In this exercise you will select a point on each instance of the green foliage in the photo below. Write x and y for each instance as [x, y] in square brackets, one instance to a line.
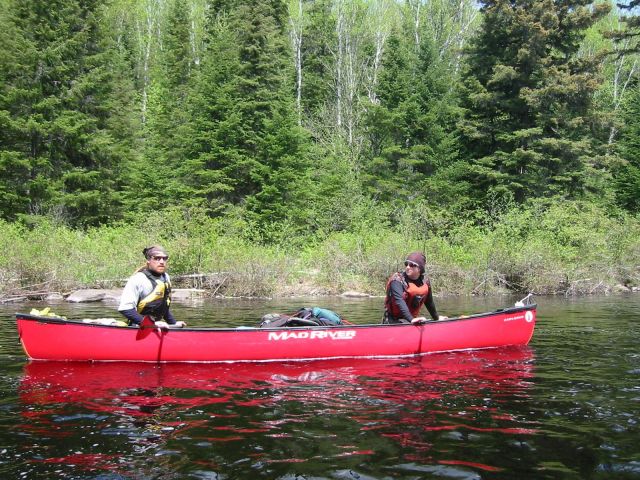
[432, 126]
[557, 248]
[241, 145]
[410, 133]
[528, 103]
[319, 34]
[57, 96]
[628, 36]
[627, 175]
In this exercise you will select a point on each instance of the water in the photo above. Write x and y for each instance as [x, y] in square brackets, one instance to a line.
[564, 407]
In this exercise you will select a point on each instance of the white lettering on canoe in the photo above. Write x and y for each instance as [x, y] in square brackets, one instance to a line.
[314, 334]
[528, 317]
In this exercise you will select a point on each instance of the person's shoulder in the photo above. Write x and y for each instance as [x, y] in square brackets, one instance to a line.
[395, 277]
[138, 277]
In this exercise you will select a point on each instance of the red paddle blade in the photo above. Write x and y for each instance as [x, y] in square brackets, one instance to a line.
[146, 327]
[147, 322]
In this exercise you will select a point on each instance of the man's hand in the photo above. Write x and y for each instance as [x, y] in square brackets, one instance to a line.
[442, 317]
[418, 320]
[161, 324]
[179, 324]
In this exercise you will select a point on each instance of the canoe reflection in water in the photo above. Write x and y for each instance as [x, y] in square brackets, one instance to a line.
[279, 413]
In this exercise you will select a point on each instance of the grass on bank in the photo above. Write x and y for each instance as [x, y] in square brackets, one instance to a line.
[571, 248]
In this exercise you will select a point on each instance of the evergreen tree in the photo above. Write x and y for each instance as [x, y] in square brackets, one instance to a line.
[528, 100]
[151, 178]
[316, 57]
[409, 133]
[59, 106]
[628, 37]
[627, 175]
[14, 162]
[242, 146]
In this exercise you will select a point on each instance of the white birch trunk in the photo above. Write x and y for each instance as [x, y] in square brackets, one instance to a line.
[415, 6]
[380, 14]
[340, 34]
[623, 73]
[297, 27]
[149, 33]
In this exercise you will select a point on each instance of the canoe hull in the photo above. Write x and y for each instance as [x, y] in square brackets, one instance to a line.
[45, 338]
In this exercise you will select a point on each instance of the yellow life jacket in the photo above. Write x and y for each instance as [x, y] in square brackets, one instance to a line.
[157, 302]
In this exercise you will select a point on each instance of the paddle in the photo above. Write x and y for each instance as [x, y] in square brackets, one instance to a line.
[147, 322]
[147, 325]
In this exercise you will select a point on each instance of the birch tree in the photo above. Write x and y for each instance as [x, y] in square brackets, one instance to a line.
[447, 23]
[296, 31]
[147, 28]
[197, 14]
[349, 64]
[621, 66]
[381, 16]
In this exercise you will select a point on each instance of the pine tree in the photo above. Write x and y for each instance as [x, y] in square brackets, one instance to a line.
[528, 100]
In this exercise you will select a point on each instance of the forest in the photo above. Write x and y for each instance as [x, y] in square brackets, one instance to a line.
[305, 146]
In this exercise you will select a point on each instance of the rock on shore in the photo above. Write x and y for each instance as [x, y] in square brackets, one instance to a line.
[113, 295]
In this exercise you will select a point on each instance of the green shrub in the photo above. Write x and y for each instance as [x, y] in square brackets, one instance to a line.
[558, 248]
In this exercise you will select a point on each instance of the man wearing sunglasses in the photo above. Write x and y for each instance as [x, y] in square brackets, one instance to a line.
[148, 291]
[407, 291]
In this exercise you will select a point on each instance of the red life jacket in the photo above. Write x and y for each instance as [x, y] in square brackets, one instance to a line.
[413, 295]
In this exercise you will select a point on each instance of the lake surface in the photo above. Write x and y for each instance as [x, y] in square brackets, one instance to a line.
[564, 407]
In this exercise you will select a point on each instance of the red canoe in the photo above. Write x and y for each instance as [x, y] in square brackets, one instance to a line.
[50, 338]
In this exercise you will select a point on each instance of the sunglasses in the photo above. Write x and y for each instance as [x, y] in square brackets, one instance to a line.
[409, 263]
[157, 258]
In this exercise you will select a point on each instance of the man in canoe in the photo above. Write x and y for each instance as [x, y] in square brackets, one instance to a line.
[407, 291]
[148, 291]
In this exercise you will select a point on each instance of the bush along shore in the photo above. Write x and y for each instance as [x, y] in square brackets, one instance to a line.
[567, 249]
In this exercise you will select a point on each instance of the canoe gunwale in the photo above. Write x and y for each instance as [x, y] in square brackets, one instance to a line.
[63, 321]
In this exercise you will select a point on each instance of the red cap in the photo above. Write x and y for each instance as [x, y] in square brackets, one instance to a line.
[419, 258]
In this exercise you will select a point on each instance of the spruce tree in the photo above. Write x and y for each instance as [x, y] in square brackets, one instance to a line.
[410, 131]
[528, 100]
[151, 178]
[318, 37]
[59, 104]
[14, 161]
[242, 145]
[627, 175]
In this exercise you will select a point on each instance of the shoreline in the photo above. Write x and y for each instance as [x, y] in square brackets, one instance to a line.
[186, 295]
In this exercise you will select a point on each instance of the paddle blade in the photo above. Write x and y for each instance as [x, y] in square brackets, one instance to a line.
[146, 327]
